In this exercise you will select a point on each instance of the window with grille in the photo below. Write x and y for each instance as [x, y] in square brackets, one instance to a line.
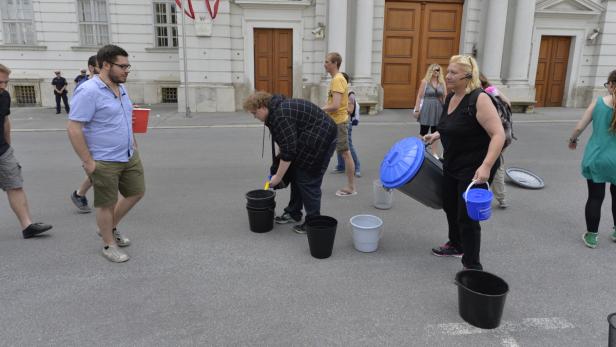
[170, 95]
[25, 95]
[93, 22]
[165, 24]
[18, 22]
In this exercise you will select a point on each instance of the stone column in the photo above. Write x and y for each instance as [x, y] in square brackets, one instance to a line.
[517, 72]
[337, 28]
[493, 40]
[363, 42]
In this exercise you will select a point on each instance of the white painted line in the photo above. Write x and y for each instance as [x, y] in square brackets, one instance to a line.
[231, 126]
[504, 331]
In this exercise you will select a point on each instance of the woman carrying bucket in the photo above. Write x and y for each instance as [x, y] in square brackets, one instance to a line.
[472, 136]
[599, 162]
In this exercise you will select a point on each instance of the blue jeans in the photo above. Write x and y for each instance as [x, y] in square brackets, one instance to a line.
[306, 189]
[340, 165]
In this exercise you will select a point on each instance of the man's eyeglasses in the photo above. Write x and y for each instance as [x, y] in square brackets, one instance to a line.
[4, 82]
[606, 84]
[125, 67]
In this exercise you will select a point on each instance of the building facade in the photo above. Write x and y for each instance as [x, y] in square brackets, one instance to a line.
[552, 52]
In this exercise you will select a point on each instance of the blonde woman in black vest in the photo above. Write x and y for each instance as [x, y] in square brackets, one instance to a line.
[472, 138]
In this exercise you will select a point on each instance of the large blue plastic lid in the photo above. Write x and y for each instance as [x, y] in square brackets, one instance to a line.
[402, 162]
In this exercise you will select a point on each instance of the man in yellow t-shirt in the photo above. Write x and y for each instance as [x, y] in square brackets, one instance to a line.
[337, 101]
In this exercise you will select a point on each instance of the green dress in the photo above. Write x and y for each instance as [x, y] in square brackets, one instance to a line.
[599, 162]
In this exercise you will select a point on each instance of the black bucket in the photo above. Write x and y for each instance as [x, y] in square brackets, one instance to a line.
[321, 234]
[260, 198]
[481, 298]
[261, 220]
[611, 319]
[427, 186]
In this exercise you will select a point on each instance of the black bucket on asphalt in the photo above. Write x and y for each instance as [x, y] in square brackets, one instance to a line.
[261, 198]
[321, 232]
[481, 298]
[261, 220]
[611, 319]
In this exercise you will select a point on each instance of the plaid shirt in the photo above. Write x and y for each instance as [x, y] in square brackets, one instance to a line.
[302, 130]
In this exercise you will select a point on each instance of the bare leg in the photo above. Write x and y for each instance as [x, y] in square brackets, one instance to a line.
[349, 167]
[104, 220]
[19, 205]
[123, 206]
[84, 187]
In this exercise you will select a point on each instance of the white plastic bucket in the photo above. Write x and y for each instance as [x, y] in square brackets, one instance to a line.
[383, 198]
[367, 230]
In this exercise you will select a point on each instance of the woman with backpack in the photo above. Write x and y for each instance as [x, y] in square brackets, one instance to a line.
[429, 101]
[599, 162]
[353, 110]
[498, 185]
[473, 137]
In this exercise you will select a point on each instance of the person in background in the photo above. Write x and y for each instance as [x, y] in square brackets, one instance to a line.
[599, 161]
[353, 111]
[337, 104]
[306, 137]
[78, 197]
[11, 180]
[498, 184]
[59, 85]
[81, 78]
[472, 138]
[429, 101]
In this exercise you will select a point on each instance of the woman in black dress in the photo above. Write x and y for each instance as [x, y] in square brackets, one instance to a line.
[472, 136]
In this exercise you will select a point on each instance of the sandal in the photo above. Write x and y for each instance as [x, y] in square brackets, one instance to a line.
[345, 193]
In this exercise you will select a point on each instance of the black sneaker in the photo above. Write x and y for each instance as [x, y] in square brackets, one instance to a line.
[447, 250]
[286, 218]
[81, 202]
[35, 229]
[300, 228]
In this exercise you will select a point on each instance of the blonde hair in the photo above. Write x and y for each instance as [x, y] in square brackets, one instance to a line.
[469, 65]
[256, 100]
[5, 69]
[441, 77]
[335, 57]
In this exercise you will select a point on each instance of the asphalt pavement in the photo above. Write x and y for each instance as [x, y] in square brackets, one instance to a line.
[198, 277]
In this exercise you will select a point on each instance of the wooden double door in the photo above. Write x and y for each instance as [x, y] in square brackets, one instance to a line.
[552, 70]
[273, 50]
[416, 34]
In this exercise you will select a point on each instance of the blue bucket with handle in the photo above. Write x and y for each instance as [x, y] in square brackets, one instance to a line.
[478, 202]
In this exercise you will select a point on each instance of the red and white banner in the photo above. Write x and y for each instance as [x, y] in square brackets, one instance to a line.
[191, 13]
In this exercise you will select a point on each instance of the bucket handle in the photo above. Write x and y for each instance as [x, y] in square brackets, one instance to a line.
[473, 182]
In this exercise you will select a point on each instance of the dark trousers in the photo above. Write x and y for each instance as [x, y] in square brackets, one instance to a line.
[464, 233]
[306, 189]
[596, 194]
[64, 98]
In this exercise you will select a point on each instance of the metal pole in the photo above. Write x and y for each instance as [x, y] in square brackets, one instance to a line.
[185, 62]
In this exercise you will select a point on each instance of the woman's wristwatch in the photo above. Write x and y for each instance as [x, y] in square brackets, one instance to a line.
[573, 140]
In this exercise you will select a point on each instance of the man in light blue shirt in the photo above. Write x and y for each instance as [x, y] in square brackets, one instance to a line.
[100, 130]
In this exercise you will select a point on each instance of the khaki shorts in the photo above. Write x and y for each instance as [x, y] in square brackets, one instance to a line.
[342, 143]
[111, 177]
[10, 171]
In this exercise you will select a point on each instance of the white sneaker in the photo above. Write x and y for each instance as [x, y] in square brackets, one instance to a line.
[119, 239]
[115, 254]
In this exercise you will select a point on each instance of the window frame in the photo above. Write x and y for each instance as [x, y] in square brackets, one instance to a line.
[98, 33]
[24, 37]
[172, 41]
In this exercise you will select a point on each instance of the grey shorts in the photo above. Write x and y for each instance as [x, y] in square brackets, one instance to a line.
[10, 171]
